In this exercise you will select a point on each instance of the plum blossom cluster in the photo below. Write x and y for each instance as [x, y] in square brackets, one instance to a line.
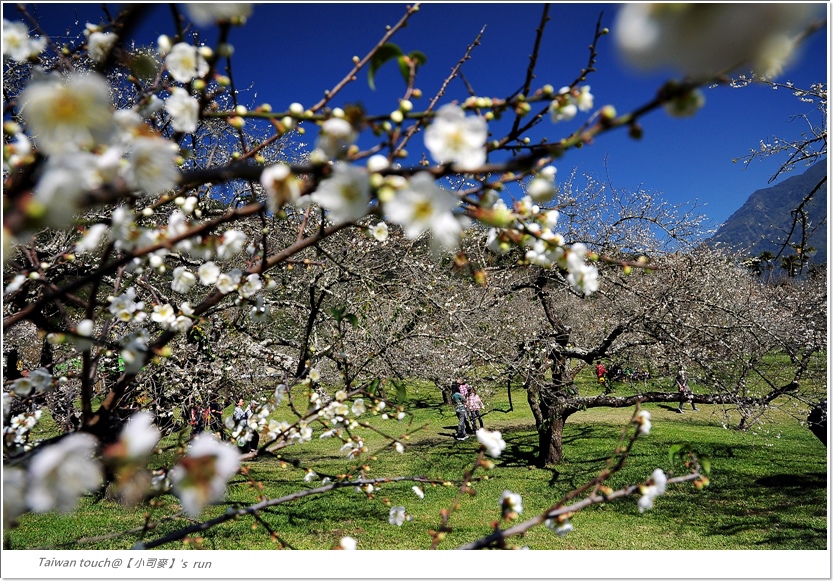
[419, 205]
[652, 489]
[527, 225]
[511, 504]
[17, 431]
[89, 144]
[60, 473]
[569, 102]
[202, 474]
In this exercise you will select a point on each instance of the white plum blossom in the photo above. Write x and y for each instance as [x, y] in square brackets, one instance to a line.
[65, 180]
[540, 190]
[59, 474]
[511, 502]
[559, 528]
[99, 45]
[705, 39]
[561, 111]
[396, 516]
[399, 447]
[423, 205]
[139, 436]
[280, 393]
[183, 109]
[164, 44]
[185, 63]
[643, 418]
[455, 138]
[71, 115]
[492, 441]
[163, 314]
[584, 99]
[228, 282]
[126, 308]
[201, 475]
[209, 272]
[232, 244]
[190, 204]
[658, 482]
[151, 106]
[15, 284]
[17, 44]
[208, 13]
[377, 163]
[41, 380]
[181, 324]
[84, 328]
[358, 407]
[281, 187]
[418, 491]
[354, 448]
[134, 350]
[347, 543]
[550, 219]
[380, 231]
[22, 387]
[584, 279]
[159, 481]
[335, 137]
[89, 241]
[251, 287]
[345, 194]
[310, 476]
[151, 167]
[183, 280]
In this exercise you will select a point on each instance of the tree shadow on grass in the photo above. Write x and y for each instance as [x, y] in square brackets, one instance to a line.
[787, 510]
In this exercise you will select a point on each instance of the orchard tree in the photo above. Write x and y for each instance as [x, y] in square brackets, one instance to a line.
[160, 236]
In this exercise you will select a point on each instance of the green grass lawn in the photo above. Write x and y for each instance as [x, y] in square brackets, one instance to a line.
[767, 491]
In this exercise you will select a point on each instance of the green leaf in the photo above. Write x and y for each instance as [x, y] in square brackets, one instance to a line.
[336, 313]
[706, 464]
[675, 450]
[418, 56]
[352, 319]
[373, 388]
[401, 393]
[404, 66]
[404, 69]
[386, 52]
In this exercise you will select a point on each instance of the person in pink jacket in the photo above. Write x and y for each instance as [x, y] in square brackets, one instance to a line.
[474, 405]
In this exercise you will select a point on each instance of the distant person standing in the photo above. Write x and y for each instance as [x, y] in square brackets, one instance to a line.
[197, 420]
[601, 373]
[240, 415]
[474, 405]
[215, 418]
[464, 391]
[684, 390]
[459, 403]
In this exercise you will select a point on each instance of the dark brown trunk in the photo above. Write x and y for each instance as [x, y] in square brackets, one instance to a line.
[550, 443]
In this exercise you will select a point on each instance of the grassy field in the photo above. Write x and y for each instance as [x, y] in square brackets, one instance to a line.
[768, 489]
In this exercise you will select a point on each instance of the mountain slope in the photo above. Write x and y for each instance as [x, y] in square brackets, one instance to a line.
[764, 220]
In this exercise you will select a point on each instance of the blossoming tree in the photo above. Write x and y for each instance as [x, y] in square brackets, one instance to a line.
[147, 213]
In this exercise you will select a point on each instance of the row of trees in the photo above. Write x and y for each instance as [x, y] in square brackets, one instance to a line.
[160, 241]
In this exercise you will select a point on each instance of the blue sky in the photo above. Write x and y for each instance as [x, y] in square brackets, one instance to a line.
[293, 52]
